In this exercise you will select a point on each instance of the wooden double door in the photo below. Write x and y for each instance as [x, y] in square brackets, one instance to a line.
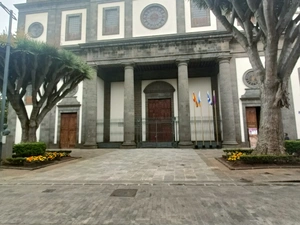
[160, 122]
[68, 130]
[252, 121]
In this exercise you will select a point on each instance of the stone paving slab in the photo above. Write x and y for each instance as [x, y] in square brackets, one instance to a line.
[152, 205]
[146, 166]
[152, 165]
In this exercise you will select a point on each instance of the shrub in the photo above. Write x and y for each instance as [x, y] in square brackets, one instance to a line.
[292, 147]
[269, 159]
[15, 161]
[29, 149]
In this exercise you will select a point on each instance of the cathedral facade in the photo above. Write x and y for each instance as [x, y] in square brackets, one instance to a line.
[167, 74]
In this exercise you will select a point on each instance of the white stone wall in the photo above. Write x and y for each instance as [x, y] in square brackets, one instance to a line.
[117, 112]
[64, 15]
[169, 28]
[204, 130]
[41, 18]
[121, 6]
[295, 80]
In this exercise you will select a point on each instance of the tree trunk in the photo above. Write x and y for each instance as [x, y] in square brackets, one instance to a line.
[270, 140]
[32, 131]
[29, 132]
[25, 132]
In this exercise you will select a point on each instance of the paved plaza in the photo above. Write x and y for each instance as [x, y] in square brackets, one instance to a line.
[170, 186]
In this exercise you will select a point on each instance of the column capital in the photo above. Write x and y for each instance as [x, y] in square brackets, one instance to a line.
[224, 59]
[182, 62]
[129, 64]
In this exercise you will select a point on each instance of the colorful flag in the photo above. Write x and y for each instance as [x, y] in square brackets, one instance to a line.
[208, 99]
[199, 99]
[195, 100]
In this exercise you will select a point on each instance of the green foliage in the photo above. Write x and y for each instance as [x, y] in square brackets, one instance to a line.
[50, 72]
[292, 147]
[270, 159]
[15, 161]
[29, 149]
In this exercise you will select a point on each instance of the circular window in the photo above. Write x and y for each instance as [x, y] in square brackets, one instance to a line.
[35, 30]
[154, 16]
[250, 79]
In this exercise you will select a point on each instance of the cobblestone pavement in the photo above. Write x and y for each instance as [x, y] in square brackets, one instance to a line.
[174, 186]
[153, 205]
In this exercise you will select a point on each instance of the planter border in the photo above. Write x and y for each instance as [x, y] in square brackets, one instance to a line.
[225, 163]
[65, 159]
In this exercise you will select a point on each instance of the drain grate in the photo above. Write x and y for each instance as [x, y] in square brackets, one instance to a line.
[124, 193]
[48, 190]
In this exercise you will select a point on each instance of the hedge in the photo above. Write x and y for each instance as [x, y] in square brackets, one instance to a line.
[15, 161]
[269, 159]
[292, 147]
[29, 149]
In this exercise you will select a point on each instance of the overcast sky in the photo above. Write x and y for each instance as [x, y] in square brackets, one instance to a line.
[4, 17]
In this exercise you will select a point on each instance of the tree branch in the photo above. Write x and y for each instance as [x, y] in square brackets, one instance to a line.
[288, 16]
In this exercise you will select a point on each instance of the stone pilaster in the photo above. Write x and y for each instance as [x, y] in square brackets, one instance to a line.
[226, 98]
[128, 18]
[129, 126]
[90, 112]
[184, 105]
[180, 16]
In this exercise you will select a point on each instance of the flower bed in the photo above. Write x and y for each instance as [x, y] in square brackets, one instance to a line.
[237, 159]
[39, 160]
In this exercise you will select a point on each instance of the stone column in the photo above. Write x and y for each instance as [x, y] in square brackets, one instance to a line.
[226, 98]
[107, 104]
[90, 112]
[129, 126]
[184, 105]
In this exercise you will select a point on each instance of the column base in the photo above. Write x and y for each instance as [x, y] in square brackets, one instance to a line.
[229, 144]
[90, 145]
[128, 145]
[185, 144]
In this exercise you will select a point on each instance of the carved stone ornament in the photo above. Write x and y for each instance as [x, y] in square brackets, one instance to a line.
[250, 79]
[35, 30]
[154, 16]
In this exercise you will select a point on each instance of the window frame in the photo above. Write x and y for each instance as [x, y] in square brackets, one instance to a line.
[104, 10]
[192, 4]
[67, 38]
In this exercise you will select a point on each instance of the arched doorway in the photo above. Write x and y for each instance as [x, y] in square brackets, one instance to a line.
[159, 107]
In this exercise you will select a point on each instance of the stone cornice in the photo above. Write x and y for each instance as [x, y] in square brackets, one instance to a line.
[217, 36]
[46, 5]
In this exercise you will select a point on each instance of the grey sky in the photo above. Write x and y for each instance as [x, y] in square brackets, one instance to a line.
[4, 17]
